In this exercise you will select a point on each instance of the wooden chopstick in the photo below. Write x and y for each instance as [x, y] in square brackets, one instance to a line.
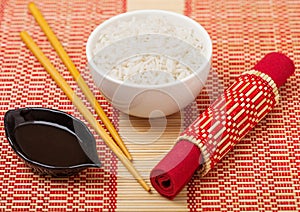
[81, 107]
[76, 75]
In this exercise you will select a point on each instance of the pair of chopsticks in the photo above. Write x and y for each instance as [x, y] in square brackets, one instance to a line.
[116, 146]
[76, 75]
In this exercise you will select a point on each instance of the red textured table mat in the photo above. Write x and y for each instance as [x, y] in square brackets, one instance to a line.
[262, 173]
[24, 83]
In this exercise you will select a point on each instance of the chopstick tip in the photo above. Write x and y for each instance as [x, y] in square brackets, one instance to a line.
[147, 187]
[31, 5]
[23, 33]
[129, 157]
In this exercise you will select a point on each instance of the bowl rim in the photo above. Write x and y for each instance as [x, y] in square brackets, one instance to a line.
[94, 34]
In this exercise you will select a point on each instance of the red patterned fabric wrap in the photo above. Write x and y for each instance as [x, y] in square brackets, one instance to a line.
[217, 130]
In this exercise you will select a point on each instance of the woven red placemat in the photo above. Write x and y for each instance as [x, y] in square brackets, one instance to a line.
[262, 173]
[25, 83]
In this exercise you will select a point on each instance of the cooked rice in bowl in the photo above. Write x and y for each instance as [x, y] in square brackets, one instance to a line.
[149, 51]
[149, 63]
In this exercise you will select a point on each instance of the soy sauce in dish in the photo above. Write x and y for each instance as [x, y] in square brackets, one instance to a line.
[53, 145]
[51, 142]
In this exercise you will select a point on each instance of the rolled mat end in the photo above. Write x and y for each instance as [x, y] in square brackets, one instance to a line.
[277, 65]
[176, 169]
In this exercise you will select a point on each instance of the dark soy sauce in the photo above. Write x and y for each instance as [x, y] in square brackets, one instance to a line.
[52, 145]
[51, 141]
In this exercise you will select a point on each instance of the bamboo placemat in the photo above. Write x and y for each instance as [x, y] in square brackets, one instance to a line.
[24, 83]
[260, 174]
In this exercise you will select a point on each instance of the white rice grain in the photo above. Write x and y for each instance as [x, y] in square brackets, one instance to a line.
[147, 68]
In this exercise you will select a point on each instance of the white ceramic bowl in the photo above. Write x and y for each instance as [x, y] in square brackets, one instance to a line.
[144, 100]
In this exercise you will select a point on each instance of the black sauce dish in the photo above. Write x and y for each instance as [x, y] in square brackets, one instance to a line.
[50, 141]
